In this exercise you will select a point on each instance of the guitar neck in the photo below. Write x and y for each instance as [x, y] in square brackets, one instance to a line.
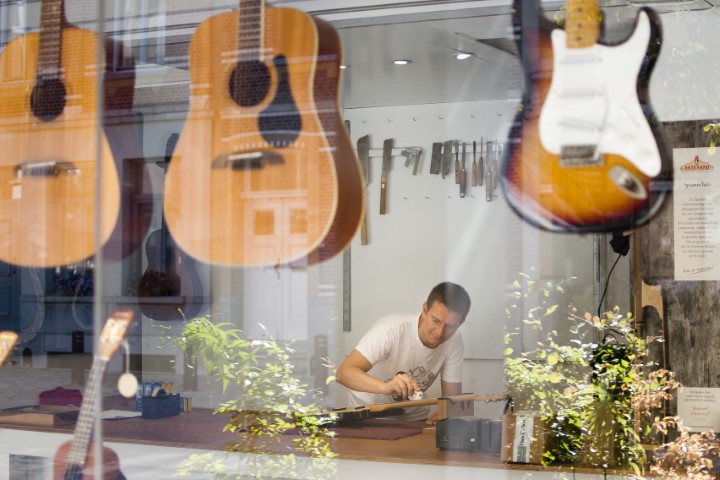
[52, 17]
[382, 407]
[250, 31]
[582, 23]
[84, 426]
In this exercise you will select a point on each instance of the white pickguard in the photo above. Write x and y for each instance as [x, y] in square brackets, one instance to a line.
[593, 100]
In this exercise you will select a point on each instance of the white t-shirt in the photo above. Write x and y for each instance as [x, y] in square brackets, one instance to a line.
[392, 345]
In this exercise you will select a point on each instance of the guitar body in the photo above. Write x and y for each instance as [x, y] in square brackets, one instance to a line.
[252, 180]
[351, 199]
[63, 471]
[48, 212]
[170, 274]
[582, 153]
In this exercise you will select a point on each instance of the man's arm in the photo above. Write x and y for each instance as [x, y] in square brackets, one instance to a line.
[450, 388]
[352, 373]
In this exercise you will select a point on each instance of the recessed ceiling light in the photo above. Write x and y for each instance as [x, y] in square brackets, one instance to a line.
[402, 62]
[344, 66]
[463, 55]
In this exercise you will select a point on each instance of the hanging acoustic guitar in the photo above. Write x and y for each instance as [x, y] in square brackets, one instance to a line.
[75, 459]
[583, 153]
[49, 134]
[255, 178]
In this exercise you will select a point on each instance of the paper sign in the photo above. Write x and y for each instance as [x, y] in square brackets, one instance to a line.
[699, 409]
[696, 192]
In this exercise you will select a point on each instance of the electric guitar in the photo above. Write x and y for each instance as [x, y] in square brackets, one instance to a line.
[7, 343]
[255, 177]
[74, 459]
[583, 153]
[49, 132]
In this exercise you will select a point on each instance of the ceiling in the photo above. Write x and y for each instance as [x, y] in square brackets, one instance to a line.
[431, 38]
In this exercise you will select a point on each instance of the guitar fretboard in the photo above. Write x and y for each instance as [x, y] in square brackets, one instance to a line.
[582, 23]
[84, 426]
[250, 28]
[50, 46]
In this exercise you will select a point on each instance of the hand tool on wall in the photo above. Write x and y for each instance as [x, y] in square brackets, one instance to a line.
[447, 158]
[496, 161]
[463, 174]
[363, 150]
[481, 166]
[488, 172]
[435, 160]
[411, 155]
[387, 159]
[457, 163]
[473, 172]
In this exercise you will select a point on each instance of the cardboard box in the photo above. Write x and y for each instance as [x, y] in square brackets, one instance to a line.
[524, 438]
[40, 415]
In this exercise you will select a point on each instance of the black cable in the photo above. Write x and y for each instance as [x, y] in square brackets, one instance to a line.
[607, 283]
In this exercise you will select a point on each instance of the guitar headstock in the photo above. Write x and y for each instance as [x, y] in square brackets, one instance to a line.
[114, 331]
[7, 342]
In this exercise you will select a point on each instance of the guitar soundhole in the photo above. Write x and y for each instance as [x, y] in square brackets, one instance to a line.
[249, 83]
[48, 98]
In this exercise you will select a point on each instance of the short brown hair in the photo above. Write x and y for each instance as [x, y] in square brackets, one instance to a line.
[452, 295]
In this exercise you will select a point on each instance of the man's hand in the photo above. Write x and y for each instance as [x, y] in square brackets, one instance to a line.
[432, 419]
[401, 386]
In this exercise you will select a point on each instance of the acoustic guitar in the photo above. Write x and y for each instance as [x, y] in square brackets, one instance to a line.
[49, 134]
[75, 459]
[583, 151]
[170, 287]
[254, 179]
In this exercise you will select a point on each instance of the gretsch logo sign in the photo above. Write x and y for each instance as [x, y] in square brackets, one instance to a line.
[696, 165]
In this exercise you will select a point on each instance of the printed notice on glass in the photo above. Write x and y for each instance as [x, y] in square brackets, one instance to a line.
[699, 409]
[696, 194]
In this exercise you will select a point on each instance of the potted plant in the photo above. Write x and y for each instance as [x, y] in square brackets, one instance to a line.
[588, 376]
[266, 401]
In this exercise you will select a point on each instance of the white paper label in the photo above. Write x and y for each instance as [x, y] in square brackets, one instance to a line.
[523, 438]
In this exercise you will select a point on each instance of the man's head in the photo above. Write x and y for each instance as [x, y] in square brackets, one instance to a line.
[443, 312]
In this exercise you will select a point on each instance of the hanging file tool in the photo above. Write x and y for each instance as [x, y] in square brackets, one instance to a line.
[435, 158]
[387, 159]
[363, 150]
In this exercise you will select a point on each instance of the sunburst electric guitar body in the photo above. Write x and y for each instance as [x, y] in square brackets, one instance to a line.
[49, 137]
[583, 151]
[252, 180]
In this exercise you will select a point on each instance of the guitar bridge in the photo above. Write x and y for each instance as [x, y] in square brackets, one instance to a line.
[247, 160]
[580, 156]
[45, 169]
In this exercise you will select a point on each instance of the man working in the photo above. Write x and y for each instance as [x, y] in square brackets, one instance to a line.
[404, 353]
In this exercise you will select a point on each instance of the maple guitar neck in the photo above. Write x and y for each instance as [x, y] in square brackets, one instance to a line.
[383, 407]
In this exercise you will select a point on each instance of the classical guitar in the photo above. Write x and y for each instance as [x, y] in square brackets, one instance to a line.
[49, 132]
[583, 151]
[254, 179]
[170, 274]
[7, 343]
[75, 459]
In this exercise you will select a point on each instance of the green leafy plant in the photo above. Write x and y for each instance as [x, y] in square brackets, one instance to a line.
[267, 400]
[588, 376]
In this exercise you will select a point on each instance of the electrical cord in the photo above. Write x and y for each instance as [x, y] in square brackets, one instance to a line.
[607, 283]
